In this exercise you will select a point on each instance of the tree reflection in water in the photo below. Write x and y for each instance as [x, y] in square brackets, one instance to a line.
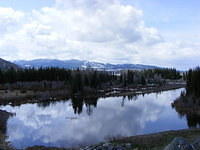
[188, 106]
[78, 102]
[79, 121]
[89, 102]
[4, 116]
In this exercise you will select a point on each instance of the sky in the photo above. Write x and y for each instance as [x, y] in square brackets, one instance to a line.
[153, 32]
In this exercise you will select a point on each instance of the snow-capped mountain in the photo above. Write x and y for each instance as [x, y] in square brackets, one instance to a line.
[82, 64]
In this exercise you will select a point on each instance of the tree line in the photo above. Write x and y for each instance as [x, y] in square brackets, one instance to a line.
[193, 81]
[150, 76]
[77, 80]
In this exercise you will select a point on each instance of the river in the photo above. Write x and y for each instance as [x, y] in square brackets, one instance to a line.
[80, 122]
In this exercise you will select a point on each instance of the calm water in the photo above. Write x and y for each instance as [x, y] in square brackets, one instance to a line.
[71, 123]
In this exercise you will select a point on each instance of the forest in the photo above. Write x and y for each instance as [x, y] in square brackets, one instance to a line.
[193, 82]
[78, 79]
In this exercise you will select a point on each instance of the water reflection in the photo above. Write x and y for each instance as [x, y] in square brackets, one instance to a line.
[3, 121]
[87, 121]
[188, 106]
[90, 103]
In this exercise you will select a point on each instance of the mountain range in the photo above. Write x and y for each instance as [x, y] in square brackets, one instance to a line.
[82, 64]
[5, 65]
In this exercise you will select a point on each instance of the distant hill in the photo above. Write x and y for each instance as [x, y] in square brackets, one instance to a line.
[74, 64]
[5, 65]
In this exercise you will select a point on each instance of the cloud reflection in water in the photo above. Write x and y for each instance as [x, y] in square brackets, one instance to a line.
[58, 125]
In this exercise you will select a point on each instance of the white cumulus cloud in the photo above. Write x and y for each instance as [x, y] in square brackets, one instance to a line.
[97, 30]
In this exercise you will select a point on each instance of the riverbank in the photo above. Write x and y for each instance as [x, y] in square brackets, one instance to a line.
[158, 140]
[114, 142]
[17, 97]
[155, 141]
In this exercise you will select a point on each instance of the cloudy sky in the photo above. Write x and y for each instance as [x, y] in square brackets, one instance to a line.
[155, 32]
